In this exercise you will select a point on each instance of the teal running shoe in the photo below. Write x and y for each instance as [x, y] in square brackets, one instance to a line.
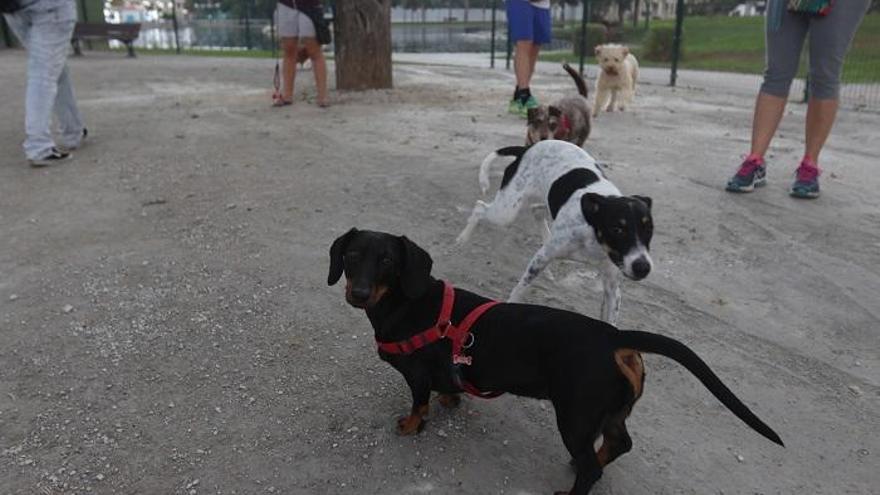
[751, 174]
[806, 182]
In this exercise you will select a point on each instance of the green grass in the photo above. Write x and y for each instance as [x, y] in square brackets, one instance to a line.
[736, 44]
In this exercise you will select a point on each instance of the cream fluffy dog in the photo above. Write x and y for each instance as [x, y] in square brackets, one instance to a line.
[617, 79]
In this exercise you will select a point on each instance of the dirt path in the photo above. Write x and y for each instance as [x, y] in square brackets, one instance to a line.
[165, 325]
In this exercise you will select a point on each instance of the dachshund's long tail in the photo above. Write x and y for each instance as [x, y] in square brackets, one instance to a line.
[673, 349]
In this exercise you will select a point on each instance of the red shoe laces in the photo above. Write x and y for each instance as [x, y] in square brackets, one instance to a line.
[749, 166]
[807, 173]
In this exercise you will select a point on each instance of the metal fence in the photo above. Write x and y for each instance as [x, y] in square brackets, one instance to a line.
[715, 44]
[720, 37]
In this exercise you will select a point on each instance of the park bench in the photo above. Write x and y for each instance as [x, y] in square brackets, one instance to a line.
[125, 33]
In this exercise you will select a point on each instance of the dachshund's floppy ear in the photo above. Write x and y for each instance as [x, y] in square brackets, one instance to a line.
[645, 200]
[336, 252]
[415, 272]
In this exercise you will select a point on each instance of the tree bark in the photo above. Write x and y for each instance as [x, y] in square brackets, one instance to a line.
[636, 13]
[363, 44]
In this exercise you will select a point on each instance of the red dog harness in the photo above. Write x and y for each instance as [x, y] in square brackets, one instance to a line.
[563, 129]
[460, 335]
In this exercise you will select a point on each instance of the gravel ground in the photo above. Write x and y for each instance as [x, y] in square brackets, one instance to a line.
[165, 324]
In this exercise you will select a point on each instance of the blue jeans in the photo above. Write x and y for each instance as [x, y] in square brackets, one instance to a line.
[45, 29]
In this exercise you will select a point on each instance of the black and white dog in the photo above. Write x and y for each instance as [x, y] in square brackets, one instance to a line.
[591, 219]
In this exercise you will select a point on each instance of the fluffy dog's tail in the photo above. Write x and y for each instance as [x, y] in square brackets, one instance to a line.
[516, 151]
[673, 349]
[578, 80]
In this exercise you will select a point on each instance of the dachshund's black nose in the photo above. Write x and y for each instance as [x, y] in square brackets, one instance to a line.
[360, 293]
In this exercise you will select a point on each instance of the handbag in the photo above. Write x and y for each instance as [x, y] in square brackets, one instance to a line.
[322, 29]
[9, 6]
[813, 7]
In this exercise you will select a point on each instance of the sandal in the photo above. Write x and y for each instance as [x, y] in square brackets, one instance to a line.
[278, 101]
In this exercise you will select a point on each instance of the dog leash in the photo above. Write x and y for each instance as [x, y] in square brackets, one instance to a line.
[460, 336]
[276, 78]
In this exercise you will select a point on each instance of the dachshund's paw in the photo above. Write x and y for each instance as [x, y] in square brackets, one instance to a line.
[410, 425]
[449, 400]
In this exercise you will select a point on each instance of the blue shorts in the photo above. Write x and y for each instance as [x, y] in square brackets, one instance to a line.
[527, 22]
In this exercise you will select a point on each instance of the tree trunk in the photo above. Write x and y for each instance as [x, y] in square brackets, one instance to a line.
[363, 44]
[467, 7]
[636, 13]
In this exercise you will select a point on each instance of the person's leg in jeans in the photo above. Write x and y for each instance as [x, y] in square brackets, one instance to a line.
[830, 39]
[69, 120]
[783, 49]
[46, 35]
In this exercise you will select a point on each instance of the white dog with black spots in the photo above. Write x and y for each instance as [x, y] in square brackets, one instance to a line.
[589, 219]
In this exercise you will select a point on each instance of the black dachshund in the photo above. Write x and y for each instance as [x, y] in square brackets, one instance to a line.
[591, 372]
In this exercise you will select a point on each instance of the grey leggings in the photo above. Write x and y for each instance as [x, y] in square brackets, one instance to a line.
[830, 38]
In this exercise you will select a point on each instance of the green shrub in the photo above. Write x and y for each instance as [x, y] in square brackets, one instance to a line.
[596, 35]
[658, 46]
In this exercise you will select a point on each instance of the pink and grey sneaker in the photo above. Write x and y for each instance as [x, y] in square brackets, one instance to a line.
[806, 182]
[751, 174]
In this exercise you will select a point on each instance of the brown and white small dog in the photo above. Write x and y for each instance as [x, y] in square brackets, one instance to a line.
[302, 56]
[617, 78]
[567, 120]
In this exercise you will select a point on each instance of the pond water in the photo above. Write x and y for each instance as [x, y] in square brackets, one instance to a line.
[232, 35]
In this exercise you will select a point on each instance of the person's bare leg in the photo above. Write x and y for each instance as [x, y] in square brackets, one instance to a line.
[522, 63]
[768, 114]
[319, 66]
[288, 67]
[820, 119]
[533, 59]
